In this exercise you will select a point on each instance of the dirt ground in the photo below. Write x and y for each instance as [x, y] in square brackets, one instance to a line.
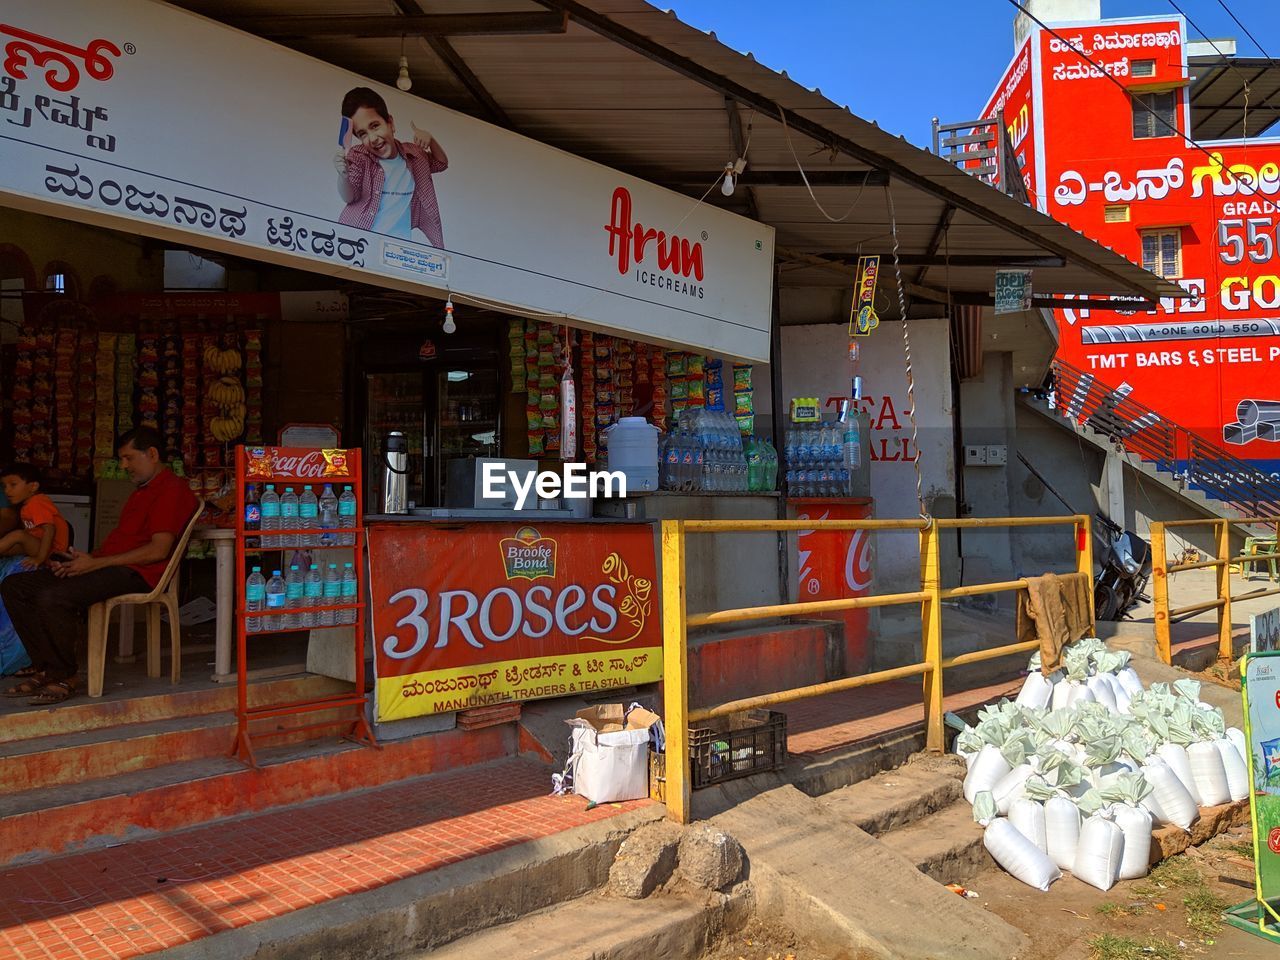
[768, 941]
[1173, 912]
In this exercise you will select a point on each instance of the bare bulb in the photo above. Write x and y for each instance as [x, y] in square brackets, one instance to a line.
[449, 325]
[726, 185]
[403, 81]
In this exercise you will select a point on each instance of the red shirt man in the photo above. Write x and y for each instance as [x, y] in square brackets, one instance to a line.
[47, 605]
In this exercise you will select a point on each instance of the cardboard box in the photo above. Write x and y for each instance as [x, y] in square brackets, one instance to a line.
[612, 717]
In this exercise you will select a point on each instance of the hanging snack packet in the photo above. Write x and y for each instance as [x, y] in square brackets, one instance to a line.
[715, 373]
[548, 401]
[696, 365]
[741, 377]
[746, 425]
[677, 365]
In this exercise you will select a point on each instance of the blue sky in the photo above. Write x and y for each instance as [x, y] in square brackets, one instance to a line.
[902, 63]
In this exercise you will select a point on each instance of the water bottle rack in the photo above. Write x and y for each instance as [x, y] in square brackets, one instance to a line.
[350, 707]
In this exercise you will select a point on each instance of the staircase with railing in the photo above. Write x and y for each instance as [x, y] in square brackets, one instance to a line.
[1189, 458]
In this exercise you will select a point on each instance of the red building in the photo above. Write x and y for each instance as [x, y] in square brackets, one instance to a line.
[1149, 143]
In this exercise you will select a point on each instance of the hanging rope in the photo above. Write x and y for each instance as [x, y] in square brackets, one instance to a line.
[906, 349]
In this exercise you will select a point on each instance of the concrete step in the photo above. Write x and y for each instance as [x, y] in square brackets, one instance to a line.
[471, 898]
[852, 892]
[595, 927]
[892, 800]
[946, 845]
[75, 815]
[148, 700]
[70, 758]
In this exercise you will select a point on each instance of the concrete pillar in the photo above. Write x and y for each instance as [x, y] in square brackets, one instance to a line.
[1113, 487]
[987, 419]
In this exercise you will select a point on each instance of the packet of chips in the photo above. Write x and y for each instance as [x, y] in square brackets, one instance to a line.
[742, 405]
[258, 462]
[696, 365]
[746, 425]
[741, 378]
[335, 463]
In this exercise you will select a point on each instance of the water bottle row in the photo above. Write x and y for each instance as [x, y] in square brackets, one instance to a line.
[288, 599]
[823, 482]
[269, 512]
[706, 452]
[826, 445]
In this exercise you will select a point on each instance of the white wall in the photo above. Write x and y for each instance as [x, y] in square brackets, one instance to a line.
[815, 363]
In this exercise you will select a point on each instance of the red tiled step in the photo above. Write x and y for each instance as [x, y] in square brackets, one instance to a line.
[41, 823]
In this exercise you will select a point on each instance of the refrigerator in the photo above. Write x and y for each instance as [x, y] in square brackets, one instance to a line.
[448, 409]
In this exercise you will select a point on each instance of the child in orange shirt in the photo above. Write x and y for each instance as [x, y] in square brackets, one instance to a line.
[44, 532]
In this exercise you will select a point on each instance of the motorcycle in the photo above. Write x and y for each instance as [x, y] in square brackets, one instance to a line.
[1126, 570]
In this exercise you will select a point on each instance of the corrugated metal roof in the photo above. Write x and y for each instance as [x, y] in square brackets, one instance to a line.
[631, 86]
[1220, 107]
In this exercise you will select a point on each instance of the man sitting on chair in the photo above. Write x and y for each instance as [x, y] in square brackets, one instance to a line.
[47, 605]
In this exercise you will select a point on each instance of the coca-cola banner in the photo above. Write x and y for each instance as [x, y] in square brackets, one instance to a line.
[836, 565]
[144, 117]
[485, 613]
[300, 463]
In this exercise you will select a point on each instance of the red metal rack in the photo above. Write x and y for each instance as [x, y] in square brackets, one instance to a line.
[299, 465]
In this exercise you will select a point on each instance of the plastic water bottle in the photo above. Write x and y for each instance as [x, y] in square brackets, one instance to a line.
[332, 595]
[771, 473]
[308, 516]
[289, 517]
[270, 507]
[852, 446]
[699, 464]
[350, 593]
[312, 595]
[328, 517]
[277, 601]
[255, 598]
[293, 597]
[347, 516]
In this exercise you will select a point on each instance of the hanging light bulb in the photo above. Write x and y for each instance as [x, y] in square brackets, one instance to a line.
[403, 81]
[449, 325]
[726, 185]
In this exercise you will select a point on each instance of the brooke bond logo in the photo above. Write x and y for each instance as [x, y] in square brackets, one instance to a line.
[60, 61]
[528, 555]
[675, 258]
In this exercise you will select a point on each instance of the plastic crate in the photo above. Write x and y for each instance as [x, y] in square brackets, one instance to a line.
[737, 746]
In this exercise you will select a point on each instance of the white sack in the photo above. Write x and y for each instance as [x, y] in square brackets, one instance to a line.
[610, 767]
[1036, 692]
[1028, 818]
[1171, 802]
[1019, 856]
[1062, 831]
[1234, 766]
[1128, 678]
[1103, 693]
[1236, 736]
[985, 771]
[1118, 691]
[1100, 852]
[1175, 755]
[1011, 787]
[1135, 823]
[1210, 774]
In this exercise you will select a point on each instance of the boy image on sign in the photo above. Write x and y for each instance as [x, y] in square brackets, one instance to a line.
[43, 532]
[386, 183]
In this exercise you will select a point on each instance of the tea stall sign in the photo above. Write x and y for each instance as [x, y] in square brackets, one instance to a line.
[1261, 693]
[491, 613]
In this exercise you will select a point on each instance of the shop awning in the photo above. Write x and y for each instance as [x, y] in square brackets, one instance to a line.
[1233, 97]
[631, 86]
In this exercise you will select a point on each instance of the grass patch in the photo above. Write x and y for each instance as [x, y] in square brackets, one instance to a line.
[1174, 872]
[1109, 947]
[1241, 848]
[1204, 911]
[1110, 909]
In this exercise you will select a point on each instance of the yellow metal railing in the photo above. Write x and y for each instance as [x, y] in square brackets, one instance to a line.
[1161, 569]
[676, 623]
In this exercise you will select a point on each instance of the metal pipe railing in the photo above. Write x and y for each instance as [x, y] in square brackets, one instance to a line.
[930, 596]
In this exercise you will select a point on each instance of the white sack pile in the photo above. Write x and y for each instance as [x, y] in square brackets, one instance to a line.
[1077, 772]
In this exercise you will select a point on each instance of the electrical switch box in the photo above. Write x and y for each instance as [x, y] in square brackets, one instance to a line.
[975, 455]
[997, 455]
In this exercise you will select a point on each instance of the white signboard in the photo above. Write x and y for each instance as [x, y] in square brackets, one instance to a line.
[1013, 291]
[144, 117]
[1264, 631]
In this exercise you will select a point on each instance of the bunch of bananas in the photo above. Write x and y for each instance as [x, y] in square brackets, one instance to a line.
[228, 394]
[222, 361]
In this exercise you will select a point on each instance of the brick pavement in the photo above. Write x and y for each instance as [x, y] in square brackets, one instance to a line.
[149, 895]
